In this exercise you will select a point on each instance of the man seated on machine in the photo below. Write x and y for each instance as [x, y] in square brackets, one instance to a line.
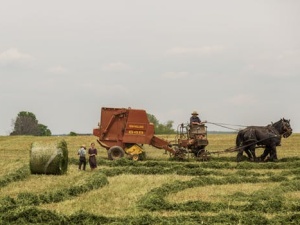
[195, 122]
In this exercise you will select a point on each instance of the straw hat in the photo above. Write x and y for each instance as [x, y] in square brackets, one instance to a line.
[82, 146]
[194, 113]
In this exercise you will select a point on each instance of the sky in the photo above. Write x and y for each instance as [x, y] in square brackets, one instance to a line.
[235, 62]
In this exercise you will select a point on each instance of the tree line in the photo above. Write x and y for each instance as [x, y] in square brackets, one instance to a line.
[26, 123]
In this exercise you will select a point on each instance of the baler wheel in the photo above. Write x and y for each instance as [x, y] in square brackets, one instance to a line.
[135, 157]
[115, 152]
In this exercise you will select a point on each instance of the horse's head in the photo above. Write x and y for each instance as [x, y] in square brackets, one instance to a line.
[283, 127]
[286, 128]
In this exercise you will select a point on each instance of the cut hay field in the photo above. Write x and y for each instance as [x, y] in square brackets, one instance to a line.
[158, 190]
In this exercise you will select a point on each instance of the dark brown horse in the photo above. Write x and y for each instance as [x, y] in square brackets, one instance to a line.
[258, 136]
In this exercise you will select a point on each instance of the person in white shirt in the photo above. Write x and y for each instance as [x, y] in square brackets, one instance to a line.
[82, 158]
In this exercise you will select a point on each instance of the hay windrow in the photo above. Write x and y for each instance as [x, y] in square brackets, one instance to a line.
[20, 174]
[286, 163]
[49, 158]
[260, 201]
[96, 181]
[33, 215]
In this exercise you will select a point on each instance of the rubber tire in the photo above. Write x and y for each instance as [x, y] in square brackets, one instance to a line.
[115, 152]
[135, 157]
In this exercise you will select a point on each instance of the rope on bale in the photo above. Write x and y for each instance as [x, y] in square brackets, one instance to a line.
[49, 158]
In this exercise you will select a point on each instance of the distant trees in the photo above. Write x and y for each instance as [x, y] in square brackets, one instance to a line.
[159, 128]
[27, 124]
[72, 133]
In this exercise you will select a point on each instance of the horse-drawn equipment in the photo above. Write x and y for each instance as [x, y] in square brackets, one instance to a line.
[124, 131]
[191, 139]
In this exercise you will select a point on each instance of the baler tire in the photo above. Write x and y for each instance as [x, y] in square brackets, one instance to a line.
[135, 157]
[115, 152]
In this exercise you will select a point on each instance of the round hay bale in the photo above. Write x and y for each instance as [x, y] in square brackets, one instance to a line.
[49, 158]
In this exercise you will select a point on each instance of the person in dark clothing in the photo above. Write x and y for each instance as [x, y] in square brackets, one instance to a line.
[92, 156]
[82, 159]
[195, 120]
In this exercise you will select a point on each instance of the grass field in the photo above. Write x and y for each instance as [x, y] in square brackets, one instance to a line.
[158, 190]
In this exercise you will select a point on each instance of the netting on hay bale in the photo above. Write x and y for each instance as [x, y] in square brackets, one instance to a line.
[49, 158]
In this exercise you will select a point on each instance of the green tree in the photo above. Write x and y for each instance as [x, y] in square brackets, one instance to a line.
[43, 130]
[27, 124]
[72, 133]
[160, 128]
[153, 119]
[166, 128]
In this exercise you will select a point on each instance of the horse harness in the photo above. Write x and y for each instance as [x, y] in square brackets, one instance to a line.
[271, 132]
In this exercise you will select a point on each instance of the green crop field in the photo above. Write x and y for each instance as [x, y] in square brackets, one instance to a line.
[158, 190]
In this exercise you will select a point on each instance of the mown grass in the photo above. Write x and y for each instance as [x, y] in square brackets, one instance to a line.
[158, 190]
[120, 196]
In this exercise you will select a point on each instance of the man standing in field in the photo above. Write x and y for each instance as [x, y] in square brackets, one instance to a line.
[82, 159]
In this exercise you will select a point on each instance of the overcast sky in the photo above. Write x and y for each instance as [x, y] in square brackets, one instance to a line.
[235, 62]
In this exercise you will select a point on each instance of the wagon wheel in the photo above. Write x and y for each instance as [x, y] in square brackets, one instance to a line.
[180, 153]
[115, 152]
[203, 155]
